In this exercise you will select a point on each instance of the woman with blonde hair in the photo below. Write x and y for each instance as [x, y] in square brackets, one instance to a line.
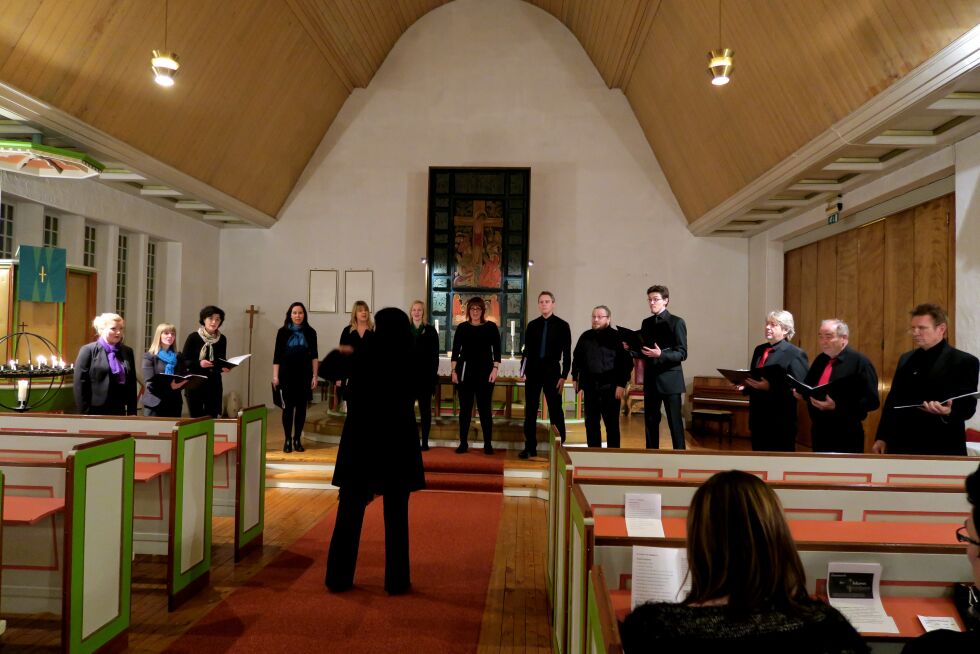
[425, 366]
[161, 396]
[748, 588]
[358, 332]
[105, 371]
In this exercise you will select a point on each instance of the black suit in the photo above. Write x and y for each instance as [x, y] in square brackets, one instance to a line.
[939, 373]
[772, 413]
[543, 372]
[663, 377]
[96, 391]
[840, 429]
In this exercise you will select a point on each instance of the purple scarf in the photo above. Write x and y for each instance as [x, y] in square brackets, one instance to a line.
[115, 365]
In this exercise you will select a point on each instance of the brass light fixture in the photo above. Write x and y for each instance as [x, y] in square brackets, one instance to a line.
[164, 63]
[721, 62]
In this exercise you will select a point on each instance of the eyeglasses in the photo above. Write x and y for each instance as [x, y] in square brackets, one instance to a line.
[963, 537]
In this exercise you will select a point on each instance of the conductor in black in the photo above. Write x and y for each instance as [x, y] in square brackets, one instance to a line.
[546, 359]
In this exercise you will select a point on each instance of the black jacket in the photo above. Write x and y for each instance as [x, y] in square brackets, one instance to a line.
[665, 373]
[92, 377]
[855, 397]
[477, 346]
[925, 375]
[557, 359]
[158, 392]
[774, 411]
[600, 361]
[425, 359]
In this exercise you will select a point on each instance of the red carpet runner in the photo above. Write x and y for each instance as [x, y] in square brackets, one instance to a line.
[473, 471]
[286, 608]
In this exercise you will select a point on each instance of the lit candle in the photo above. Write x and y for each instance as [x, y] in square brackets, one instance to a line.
[12, 364]
[512, 330]
[22, 390]
[437, 325]
[41, 360]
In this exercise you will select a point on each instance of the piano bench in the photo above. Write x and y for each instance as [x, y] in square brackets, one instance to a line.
[723, 419]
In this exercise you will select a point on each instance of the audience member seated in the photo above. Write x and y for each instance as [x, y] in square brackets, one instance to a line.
[944, 640]
[748, 588]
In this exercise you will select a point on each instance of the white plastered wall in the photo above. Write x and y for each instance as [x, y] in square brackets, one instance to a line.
[478, 83]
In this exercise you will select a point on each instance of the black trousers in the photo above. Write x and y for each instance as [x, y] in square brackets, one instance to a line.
[651, 417]
[483, 392]
[424, 397]
[837, 438]
[532, 399]
[601, 403]
[293, 419]
[346, 540]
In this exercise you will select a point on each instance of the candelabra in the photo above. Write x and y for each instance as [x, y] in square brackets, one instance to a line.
[39, 376]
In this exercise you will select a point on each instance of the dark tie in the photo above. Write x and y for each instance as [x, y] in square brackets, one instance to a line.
[544, 340]
[825, 375]
[765, 355]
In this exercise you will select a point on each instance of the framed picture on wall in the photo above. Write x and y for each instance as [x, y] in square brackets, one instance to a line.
[358, 285]
[323, 291]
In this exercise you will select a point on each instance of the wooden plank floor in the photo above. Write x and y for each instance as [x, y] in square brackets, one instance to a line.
[515, 618]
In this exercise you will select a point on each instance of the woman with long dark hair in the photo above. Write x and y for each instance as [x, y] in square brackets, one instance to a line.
[476, 358]
[748, 588]
[294, 373]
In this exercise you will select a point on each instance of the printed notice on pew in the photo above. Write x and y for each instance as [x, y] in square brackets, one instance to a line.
[659, 575]
[854, 590]
[643, 515]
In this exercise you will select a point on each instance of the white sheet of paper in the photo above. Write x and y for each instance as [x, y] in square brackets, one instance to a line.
[932, 623]
[643, 515]
[237, 361]
[659, 575]
[860, 603]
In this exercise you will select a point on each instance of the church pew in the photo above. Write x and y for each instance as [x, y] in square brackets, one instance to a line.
[603, 622]
[917, 576]
[239, 447]
[569, 463]
[173, 513]
[67, 541]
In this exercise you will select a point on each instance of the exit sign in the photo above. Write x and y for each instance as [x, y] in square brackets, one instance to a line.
[832, 218]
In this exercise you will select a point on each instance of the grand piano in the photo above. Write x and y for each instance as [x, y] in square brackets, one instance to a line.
[717, 393]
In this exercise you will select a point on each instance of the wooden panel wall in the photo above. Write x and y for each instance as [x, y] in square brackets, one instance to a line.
[870, 278]
[79, 311]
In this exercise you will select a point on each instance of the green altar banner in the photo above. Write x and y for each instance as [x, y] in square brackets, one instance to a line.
[41, 274]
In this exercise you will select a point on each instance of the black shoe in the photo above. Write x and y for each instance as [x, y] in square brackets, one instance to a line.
[523, 454]
[462, 449]
[425, 446]
[488, 450]
[297, 445]
[398, 590]
[287, 446]
[338, 588]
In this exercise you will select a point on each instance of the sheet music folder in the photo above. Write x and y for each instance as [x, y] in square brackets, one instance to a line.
[957, 397]
[818, 392]
[193, 381]
[773, 374]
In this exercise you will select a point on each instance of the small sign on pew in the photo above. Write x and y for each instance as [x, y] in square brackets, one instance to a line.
[854, 589]
[643, 515]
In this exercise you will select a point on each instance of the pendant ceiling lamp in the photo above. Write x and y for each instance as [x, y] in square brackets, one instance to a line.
[721, 62]
[164, 63]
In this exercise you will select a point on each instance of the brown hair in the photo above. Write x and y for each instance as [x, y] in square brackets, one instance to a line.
[476, 300]
[934, 311]
[739, 547]
[358, 305]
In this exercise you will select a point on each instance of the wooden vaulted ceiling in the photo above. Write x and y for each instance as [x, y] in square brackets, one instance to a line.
[262, 80]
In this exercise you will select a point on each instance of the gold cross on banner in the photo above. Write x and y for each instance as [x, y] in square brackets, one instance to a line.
[42, 274]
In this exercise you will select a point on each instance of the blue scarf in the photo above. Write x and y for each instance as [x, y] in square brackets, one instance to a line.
[296, 339]
[169, 357]
[115, 365]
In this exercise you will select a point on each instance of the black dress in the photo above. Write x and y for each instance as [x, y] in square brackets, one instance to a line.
[295, 379]
[205, 400]
[159, 398]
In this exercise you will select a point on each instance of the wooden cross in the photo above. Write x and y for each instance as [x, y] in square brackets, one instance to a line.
[42, 274]
[251, 311]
